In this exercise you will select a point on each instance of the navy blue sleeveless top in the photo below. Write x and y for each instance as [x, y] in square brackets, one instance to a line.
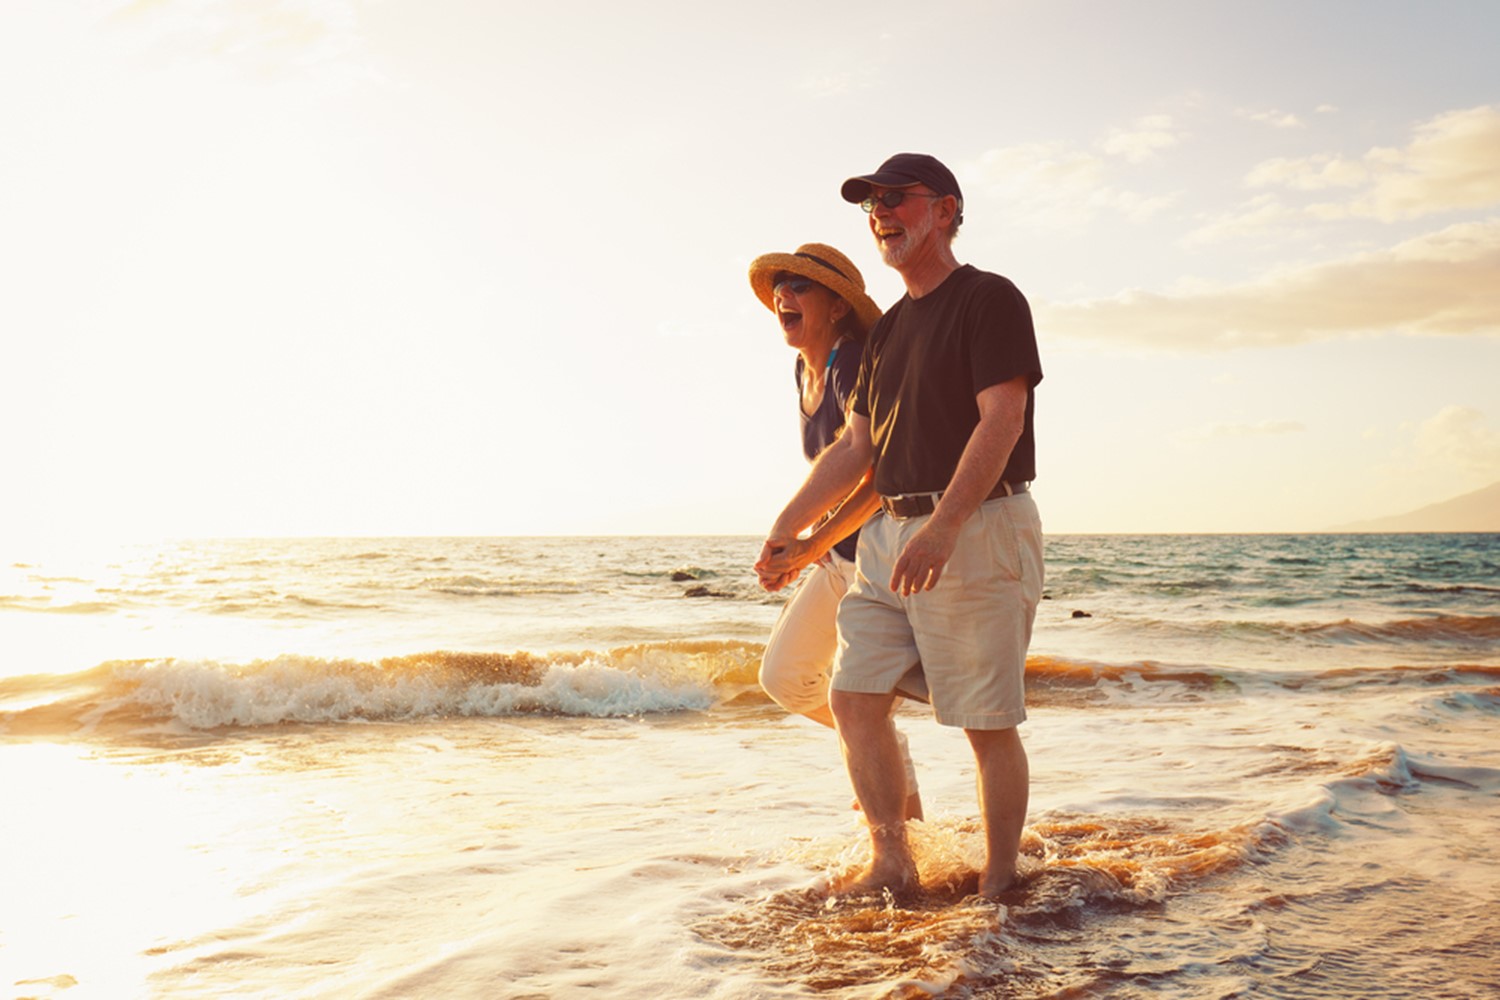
[825, 423]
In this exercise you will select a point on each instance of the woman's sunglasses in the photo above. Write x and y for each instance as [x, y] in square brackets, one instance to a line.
[794, 283]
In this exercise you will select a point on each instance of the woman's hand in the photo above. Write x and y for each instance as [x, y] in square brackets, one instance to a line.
[782, 560]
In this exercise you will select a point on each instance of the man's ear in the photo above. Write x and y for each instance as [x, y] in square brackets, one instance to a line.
[949, 205]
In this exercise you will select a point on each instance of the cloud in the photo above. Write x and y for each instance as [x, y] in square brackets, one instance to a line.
[1446, 282]
[1051, 185]
[1314, 173]
[1460, 437]
[262, 39]
[1260, 214]
[1275, 119]
[1142, 141]
[1451, 163]
[1265, 428]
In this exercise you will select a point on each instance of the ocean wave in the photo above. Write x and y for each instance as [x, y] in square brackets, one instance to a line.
[1445, 631]
[650, 677]
[1441, 628]
[1451, 588]
[209, 695]
[44, 605]
[1050, 674]
[1485, 701]
[324, 603]
[478, 586]
[1421, 677]
[272, 604]
[1386, 771]
[1080, 683]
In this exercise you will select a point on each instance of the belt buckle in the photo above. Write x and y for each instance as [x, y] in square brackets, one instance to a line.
[903, 499]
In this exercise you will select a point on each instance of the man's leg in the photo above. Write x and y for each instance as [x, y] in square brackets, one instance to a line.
[1004, 787]
[799, 654]
[875, 770]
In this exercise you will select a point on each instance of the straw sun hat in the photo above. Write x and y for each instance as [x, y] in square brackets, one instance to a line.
[823, 264]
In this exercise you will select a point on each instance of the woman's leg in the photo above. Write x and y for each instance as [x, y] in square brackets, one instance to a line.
[799, 653]
[799, 656]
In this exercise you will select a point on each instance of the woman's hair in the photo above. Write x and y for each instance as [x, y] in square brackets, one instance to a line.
[848, 326]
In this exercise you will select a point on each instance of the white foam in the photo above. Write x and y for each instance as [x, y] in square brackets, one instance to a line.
[204, 694]
[588, 689]
[1312, 816]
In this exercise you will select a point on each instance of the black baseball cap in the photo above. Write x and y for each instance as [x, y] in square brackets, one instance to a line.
[904, 170]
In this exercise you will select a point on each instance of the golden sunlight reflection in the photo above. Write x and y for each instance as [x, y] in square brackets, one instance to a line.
[69, 608]
[107, 864]
[125, 871]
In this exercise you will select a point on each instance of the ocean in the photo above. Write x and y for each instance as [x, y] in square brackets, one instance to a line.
[1262, 766]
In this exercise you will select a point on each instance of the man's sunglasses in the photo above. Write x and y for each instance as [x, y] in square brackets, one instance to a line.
[891, 199]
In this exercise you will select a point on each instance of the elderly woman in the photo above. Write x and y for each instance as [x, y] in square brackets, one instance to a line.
[819, 299]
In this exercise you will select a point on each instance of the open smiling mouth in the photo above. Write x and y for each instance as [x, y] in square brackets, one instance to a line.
[789, 319]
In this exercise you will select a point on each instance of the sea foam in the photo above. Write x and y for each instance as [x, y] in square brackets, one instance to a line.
[207, 694]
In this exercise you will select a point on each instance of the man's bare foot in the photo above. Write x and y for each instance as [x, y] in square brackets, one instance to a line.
[896, 876]
[997, 886]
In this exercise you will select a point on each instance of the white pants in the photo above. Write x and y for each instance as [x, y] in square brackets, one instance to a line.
[799, 655]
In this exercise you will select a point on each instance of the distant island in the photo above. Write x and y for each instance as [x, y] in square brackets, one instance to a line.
[1477, 511]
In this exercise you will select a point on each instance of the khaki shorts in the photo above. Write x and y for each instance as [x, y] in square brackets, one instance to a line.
[970, 632]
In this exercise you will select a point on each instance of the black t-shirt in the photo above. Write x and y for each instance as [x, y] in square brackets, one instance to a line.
[926, 361]
[823, 425]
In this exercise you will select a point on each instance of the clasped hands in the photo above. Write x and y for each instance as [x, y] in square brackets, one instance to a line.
[782, 560]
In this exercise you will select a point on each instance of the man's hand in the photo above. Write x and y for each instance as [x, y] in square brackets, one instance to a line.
[781, 561]
[792, 557]
[921, 563]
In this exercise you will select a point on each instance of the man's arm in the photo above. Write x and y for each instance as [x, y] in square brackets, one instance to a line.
[853, 512]
[1002, 416]
[782, 567]
[842, 467]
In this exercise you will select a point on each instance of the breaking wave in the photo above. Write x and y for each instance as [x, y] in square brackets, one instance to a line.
[207, 694]
[1442, 628]
[655, 677]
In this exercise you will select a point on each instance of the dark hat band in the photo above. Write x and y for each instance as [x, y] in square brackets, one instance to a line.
[820, 261]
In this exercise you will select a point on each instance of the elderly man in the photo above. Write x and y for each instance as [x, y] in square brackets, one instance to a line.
[951, 574]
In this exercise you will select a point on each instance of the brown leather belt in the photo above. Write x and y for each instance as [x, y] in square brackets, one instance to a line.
[917, 504]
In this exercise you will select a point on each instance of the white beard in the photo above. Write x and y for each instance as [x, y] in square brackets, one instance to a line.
[895, 256]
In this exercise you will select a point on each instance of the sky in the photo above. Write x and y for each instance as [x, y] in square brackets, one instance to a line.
[456, 267]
